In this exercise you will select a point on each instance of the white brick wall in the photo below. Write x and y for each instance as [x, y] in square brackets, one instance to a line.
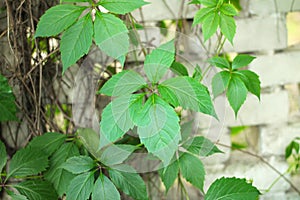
[265, 7]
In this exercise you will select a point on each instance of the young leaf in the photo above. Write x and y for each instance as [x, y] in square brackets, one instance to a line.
[209, 3]
[111, 35]
[228, 27]
[122, 6]
[228, 9]
[219, 62]
[231, 188]
[179, 69]
[220, 82]
[81, 187]
[130, 183]
[236, 93]
[202, 14]
[36, 190]
[116, 154]
[76, 41]
[188, 93]
[251, 80]
[57, 19]
[7, 101]
[79, 164]
[48, 143]
[3, 156]
[159, 60]
[162, 134]
[116, 118]
[201, 146]
[241, 60]
[210, 24]
[104, 189]
[125, 82]
[192, 170]
[59, 177]
[169, 174]
[28, 161]
[197, 75]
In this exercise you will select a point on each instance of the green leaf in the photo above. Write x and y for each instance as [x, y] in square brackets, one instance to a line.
[81, 187]
[162, 134]
[289, 149]
[210, 24]
[74, 1]
[220, 82]
[36, 190]
[201, 146]
[15, 196]
[197, 75]
[195, 2]
[179, 69]
[169, 174]
[104, 189]
[111, 35]
[117, 118]
[202, 14]
[209, 3]
[59, 177]
[57, 19]
[219, 62]
[251, 80]
[90, 140]
[7, 101]
[79, 164]
[3, 156]
[48, 143]
[28, 161]
[122, 6]
[192, 170]
[228, 9]
[186, 130]
[130, 183]
[188, 93]
[125, 82]
[76, 41]
[116, 154]
[159, 60]
[233, 189]
[236, 93]
[241, 60]
[228, 27]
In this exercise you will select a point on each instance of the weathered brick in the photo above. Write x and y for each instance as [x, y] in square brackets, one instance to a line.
[278, 69]
[265, 7]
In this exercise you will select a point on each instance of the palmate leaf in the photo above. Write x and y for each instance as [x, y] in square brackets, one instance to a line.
[201, 146]
[15, 196]
[37, 190]
[220, 82]
[228, 27]
[159, 61]
[104, 189]
[57, 19]
[111, 35]
[3, 156]
[188, 93]
[162, 134]
[74, 1]
[233, 189]
[228, 9]
[179, 69]
[169, 174]
[59, 177]
[129, 182]
[210, 24]
[90, 140]
[202, 14]
[28, 161]
[209, 3]
[81, 187]
[122, 6]
[192, 170]
[219, 62]
[251, 80]
[236, 93]
[242, 60]
[76, 41]
[125, 82]
[48, 143]
[117, 117]
[79, 164]
[7, 101]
